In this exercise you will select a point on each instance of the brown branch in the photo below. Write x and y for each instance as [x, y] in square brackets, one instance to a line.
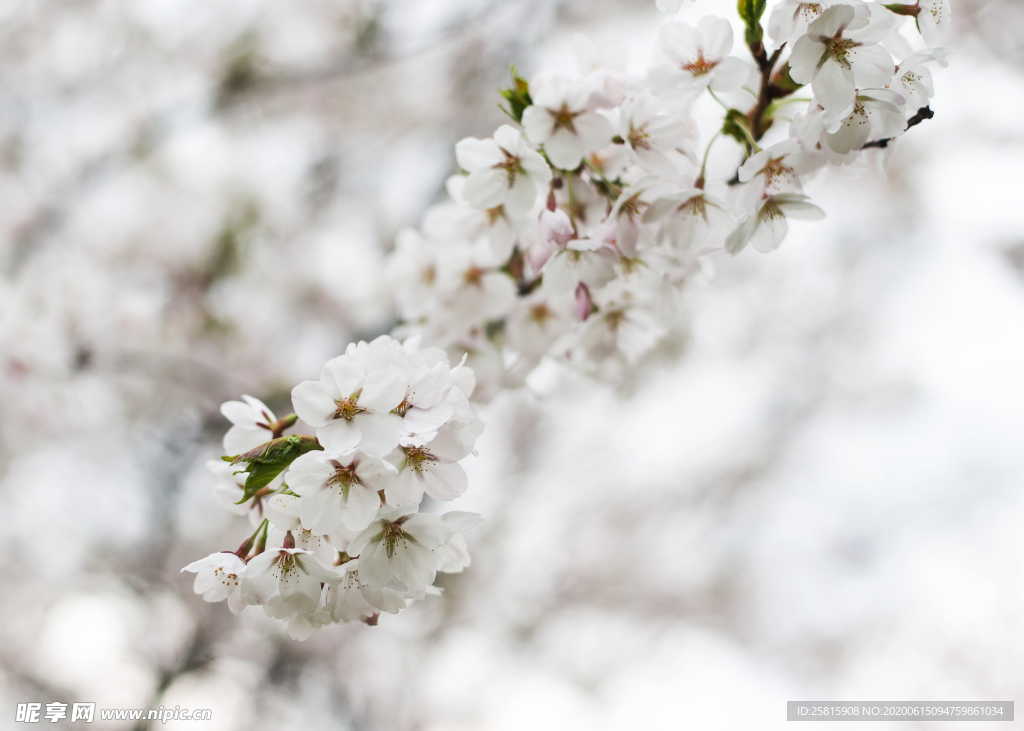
[919, 116]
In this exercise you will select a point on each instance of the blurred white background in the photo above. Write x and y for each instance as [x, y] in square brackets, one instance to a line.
[817, 495]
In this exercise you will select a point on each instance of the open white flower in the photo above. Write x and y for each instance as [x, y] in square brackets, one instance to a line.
[423, 469]
[458, 220]
[399, 550]
[839, 53]
[654, 133]
[934, 20]
[877, 114]
[503, 171]
[913, 79]
[777, 169]
[699, 57]
[218, 577]
[690, 217]
[789, 19]
[582, 260]
[351, 600]
[766, 228]
[337, 493]
[251, 424]
[351, 405]
[286, 581]
[561, 121]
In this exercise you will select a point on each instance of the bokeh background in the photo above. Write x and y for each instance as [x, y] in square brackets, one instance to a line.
[817, 494]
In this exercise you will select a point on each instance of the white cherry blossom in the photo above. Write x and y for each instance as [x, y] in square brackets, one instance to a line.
[699, 56]
[767, 227]
[218, 577]
[561, 120]
[351, 404]
[251, 424]
[399, 550]
[337, 493]
[286, 581]
[503, 171]
[839, 53]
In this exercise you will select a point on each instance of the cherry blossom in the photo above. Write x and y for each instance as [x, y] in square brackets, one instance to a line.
[573, 236]
[218, 577]
[561, 120]
[503, 171]
[839, 53]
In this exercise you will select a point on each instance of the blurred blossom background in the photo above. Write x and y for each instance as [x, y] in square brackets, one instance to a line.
[816, 494]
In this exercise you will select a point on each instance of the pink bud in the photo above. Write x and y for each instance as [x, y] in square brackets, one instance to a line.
[584, 302]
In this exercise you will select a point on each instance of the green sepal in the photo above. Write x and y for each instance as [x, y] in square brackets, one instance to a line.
[268, 460]
[736, 126]
[517, 96]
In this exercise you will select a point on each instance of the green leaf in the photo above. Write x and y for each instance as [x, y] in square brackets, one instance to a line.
[517, 96]
[267, 461]
[736, 126]
[750, 13]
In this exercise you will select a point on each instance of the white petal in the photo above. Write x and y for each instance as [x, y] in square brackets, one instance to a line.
[238, 412]
[379, 433]
[475, 154]
[445, 481]
[361, 508]
[486, 188]
[594, 131]
[833, 88]
[716, 36]
[729, 74]
[803, 62]
[383, 392]
[339, 436]
[538, 124]
[831, 21]
[404, 489]
[872, 66]
[564, 149]
[312, 403]
[769, 233]
[413, 565]
[309, 472]
[240, 439]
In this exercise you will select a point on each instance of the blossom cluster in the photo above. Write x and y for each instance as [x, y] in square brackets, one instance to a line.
[574, 230]
[340, 533]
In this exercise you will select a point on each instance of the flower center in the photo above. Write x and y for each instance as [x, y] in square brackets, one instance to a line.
[838, 49]
[696, 206]
[418, 459]
[700, 66]
[495, 214]
[344, 477]
[614, 318]
[639, 137]
[540, 313]
[770, 211]
[564, 118]
[473, 276]
[391, 534]
[511, 165]
[348, 408]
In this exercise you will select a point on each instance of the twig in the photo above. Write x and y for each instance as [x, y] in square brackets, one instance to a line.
[921, 115]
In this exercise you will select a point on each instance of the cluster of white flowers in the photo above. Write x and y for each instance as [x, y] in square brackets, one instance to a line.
[571, 232]
[340, 535]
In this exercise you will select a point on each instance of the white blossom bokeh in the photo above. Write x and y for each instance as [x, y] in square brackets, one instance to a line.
[816, 494]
